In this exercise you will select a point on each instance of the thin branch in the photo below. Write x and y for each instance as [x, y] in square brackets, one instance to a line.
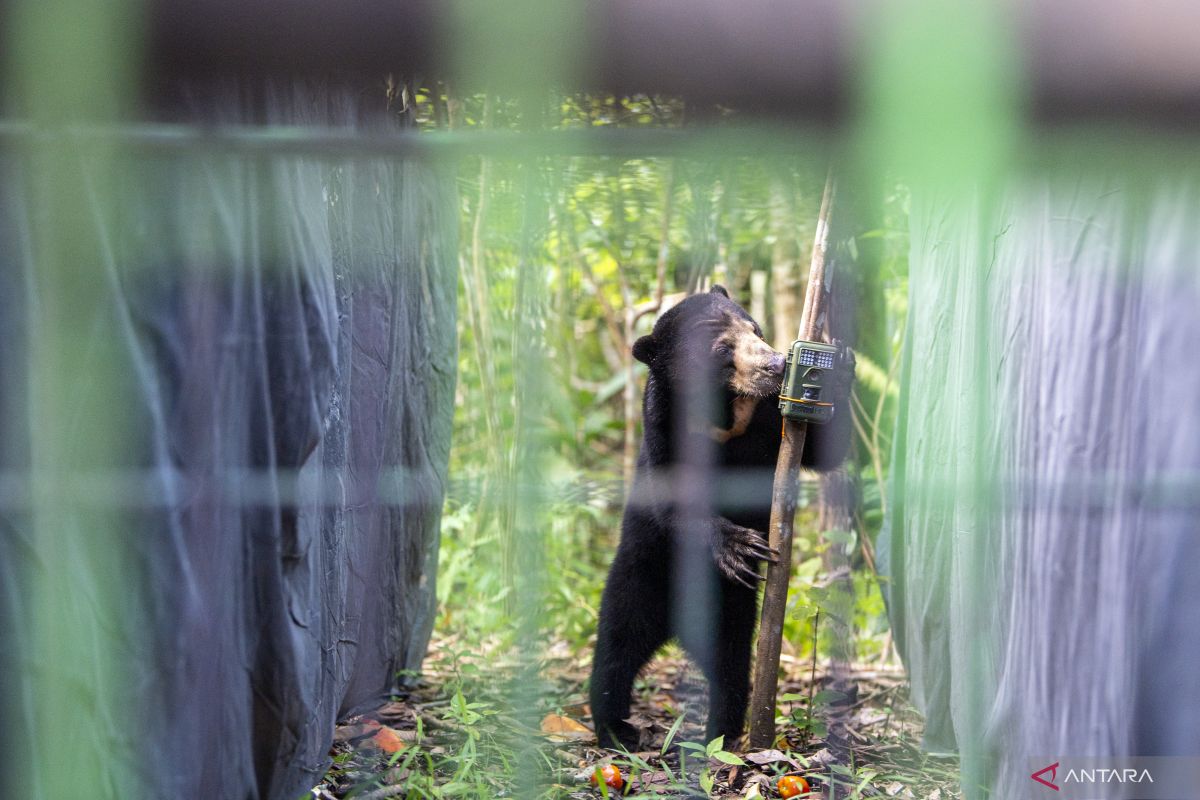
[784, 499]
[868, 550]
[664, 248]
[610, 312]
[893, 366]
[477, 289]
[871, 443]
[664, 235]
[612, 247]
[815, 295]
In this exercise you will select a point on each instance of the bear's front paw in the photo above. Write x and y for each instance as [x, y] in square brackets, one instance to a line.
[738, 552]
[843, 377]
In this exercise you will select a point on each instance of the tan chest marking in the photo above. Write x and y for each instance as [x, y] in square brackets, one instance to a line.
[743, 412]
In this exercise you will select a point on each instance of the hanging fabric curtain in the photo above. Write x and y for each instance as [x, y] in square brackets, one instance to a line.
[256, 556]
[1041, 548]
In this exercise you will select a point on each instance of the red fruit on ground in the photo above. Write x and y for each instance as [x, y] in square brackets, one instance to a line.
[611, 776]
[791, 785]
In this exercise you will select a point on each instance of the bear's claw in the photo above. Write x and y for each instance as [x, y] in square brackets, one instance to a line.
[737, 552]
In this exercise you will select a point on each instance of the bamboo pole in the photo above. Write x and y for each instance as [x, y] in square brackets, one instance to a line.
[784, 497]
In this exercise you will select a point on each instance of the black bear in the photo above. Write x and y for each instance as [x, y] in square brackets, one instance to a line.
[693, 533]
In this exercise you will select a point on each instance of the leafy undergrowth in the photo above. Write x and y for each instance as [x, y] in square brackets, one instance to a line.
[482, 725]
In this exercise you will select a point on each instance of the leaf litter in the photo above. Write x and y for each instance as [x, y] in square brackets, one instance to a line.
[468, 728]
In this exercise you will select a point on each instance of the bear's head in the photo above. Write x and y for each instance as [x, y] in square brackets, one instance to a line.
[710, 335]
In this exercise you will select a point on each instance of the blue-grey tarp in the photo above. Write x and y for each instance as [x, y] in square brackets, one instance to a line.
[195, 608]
[1043, 548]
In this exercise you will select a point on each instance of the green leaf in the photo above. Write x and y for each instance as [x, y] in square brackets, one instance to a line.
[826, 696]
[726, 757]
[640, 762]
[610, 388]
[808, 569]
[671, 733]
[714, 746]
[868, 776]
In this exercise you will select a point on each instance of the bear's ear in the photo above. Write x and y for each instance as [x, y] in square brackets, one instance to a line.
[645, 348]
[719, 289]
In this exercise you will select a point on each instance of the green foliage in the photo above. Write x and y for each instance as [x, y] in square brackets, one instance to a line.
[553, 251]
[803, 714]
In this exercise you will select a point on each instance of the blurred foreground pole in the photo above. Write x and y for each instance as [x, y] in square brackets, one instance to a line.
[66, 62]
[784, 497]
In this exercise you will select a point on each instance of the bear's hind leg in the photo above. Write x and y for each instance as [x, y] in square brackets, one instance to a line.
[726, 665]
[634, 623]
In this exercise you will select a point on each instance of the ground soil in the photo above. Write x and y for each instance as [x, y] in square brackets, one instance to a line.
[874, 750]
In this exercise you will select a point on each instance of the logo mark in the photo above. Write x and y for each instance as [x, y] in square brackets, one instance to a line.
[1053, 770]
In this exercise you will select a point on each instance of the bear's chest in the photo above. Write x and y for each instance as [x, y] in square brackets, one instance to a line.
[755, 441]
[746, 468]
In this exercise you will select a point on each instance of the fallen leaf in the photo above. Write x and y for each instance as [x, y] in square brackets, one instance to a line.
[759, 783]
[577, 710]
[395, 711]
[388, 740]
[355, 730]
[768, 757]
[560, 728]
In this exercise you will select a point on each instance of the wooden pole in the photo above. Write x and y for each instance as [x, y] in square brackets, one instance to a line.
[784, 497]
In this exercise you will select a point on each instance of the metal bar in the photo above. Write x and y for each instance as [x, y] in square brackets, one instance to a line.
[332, 142]
[1078, 59]
[1057, 145]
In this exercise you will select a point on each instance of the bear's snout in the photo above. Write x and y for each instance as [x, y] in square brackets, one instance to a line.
[776, 364]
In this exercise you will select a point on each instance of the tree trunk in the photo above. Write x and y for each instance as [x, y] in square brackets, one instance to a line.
[785, 268]
[837, 499]
[758, 294]
[838, 493]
